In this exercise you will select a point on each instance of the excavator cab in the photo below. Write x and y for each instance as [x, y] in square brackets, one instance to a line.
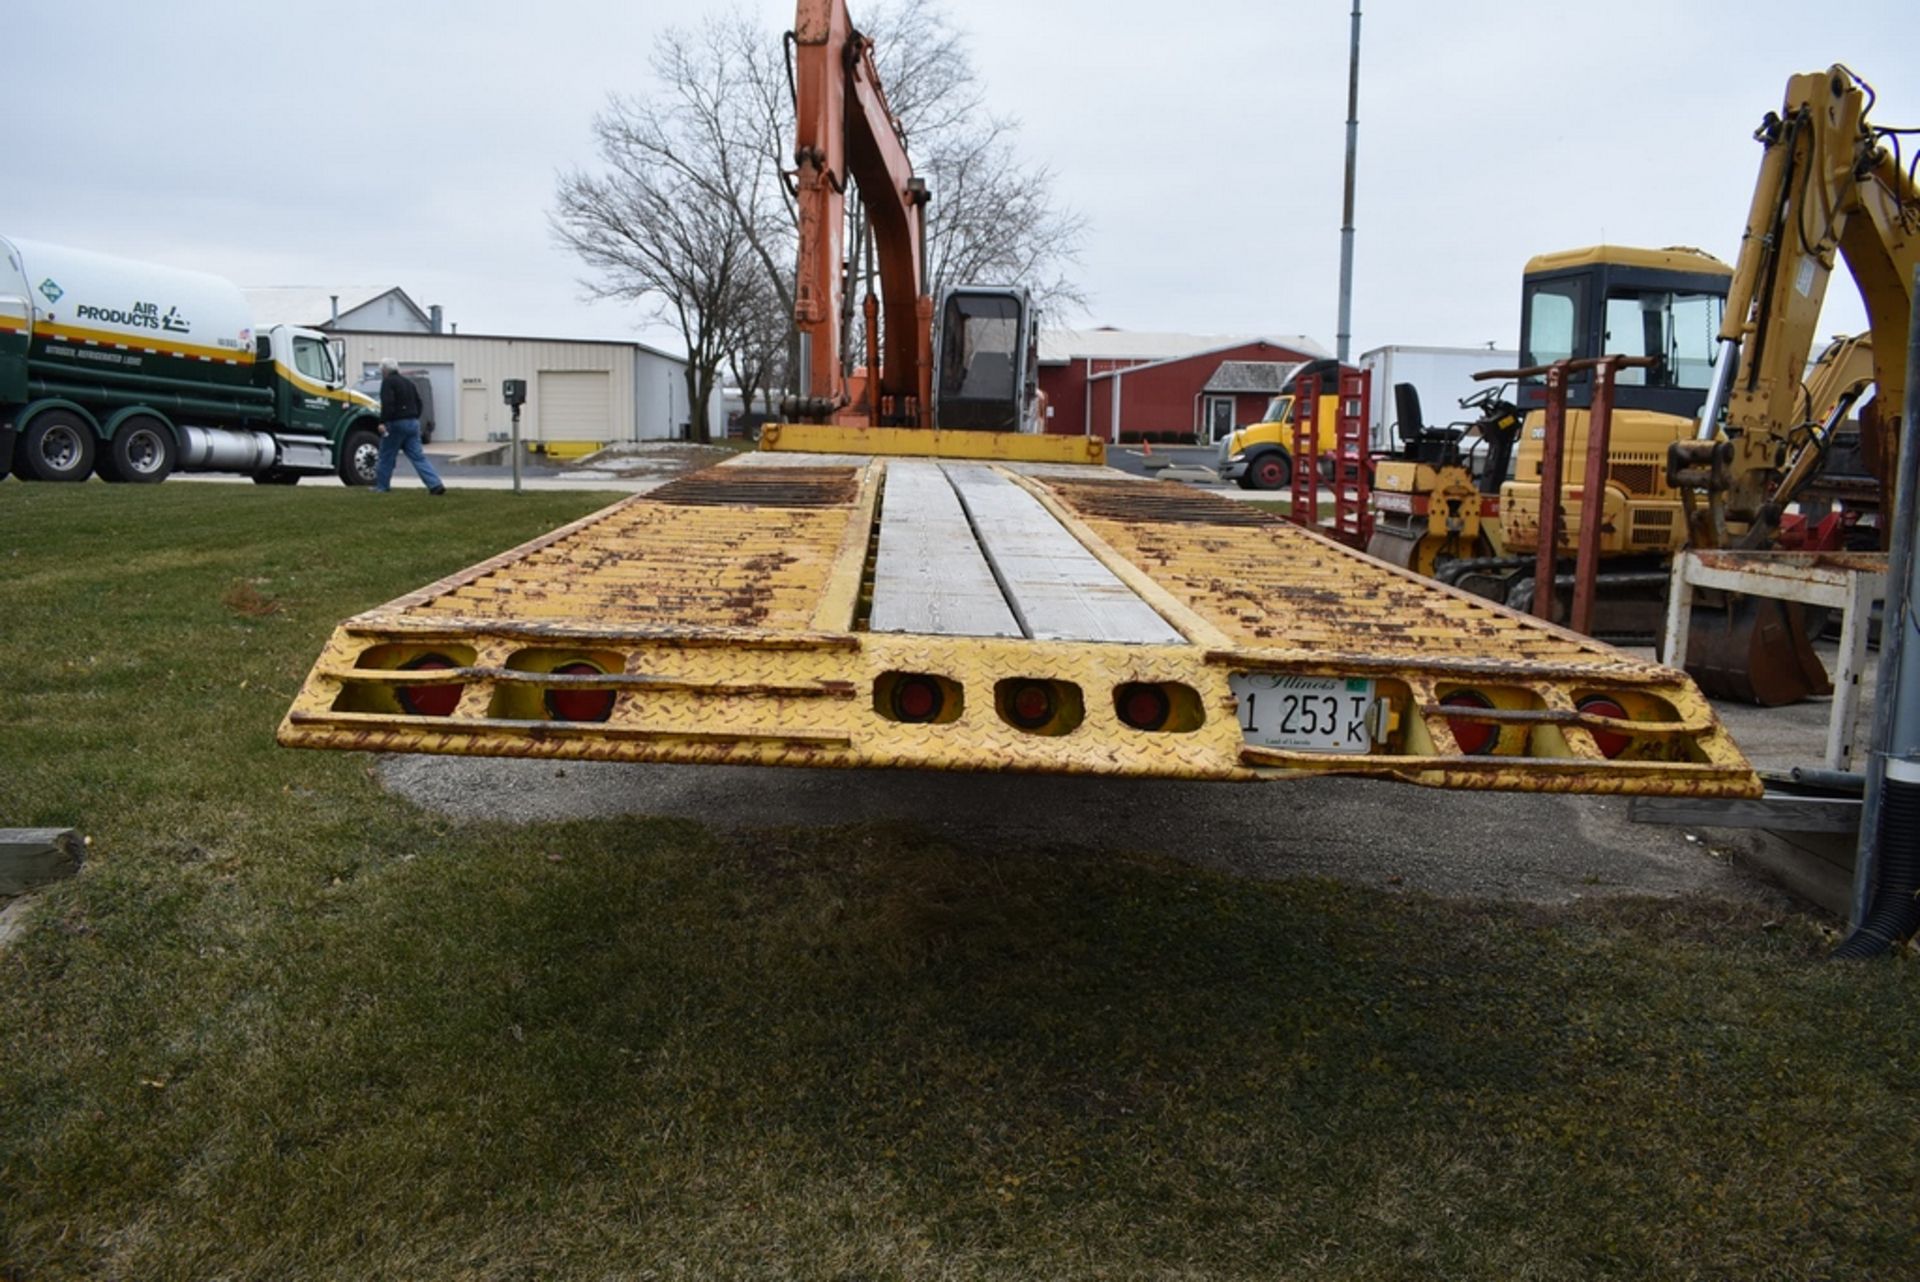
[1614, 300]
[987, 363]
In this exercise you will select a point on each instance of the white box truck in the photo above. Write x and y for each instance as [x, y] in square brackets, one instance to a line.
[1442, 375]
[135, 371]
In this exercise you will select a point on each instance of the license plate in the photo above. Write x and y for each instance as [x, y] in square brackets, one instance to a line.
[1305, 714]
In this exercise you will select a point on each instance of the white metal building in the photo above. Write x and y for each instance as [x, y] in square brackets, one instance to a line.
[578, 390]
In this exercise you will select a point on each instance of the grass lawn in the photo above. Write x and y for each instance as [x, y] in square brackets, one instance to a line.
[285, 1026]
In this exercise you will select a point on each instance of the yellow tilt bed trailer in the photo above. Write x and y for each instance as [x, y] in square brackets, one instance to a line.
[876, 588]
[991, 614]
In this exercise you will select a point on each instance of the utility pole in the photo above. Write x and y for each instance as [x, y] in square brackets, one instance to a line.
[1886, 866]
[1346, 224]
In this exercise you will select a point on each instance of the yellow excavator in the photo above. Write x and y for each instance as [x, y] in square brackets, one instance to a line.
[1713, 444]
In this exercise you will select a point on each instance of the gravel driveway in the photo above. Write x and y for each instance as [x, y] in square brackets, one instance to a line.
[1536, 848]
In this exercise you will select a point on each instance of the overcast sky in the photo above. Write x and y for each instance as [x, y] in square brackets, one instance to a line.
[416, 144]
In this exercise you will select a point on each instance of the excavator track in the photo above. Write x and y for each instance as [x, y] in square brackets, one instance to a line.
[838, 611]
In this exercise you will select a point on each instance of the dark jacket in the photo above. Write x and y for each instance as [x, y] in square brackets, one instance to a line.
[399, 398]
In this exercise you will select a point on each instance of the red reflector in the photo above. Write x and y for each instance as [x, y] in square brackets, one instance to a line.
[1144, 707]
[917, 699]
[429, 701]
[579, 705]
[1476, 738]
[1610, 744]
[1031, 705]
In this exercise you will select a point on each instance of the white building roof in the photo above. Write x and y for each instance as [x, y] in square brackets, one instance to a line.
[1058, 346]
[313, 304]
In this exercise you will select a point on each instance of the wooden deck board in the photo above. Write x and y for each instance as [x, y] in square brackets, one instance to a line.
[930, 575]
[1058, 589]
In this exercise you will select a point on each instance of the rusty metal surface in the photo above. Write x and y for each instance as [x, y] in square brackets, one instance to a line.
[662, 564]
[1127, 500]
[763, 487]
[727, 631]
[1273, 586]
[1770, 561]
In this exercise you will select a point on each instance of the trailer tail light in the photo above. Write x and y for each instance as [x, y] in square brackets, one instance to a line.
[1030, 704]
[1611, 743]
[1142, 706]
[430, 700]
[1476, 738]
[574, 704]
[1039, 706]
[917, 698]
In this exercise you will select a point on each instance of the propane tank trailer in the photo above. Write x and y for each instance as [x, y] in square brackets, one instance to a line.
[135, 371]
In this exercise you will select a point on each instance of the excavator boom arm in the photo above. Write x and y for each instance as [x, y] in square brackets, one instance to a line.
[845, 130]
[1826, 184]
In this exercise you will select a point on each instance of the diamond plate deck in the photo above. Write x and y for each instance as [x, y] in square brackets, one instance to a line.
[723, 618]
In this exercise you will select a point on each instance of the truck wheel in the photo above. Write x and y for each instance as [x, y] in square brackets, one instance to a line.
[1270, 471]
[57, 446]
[359, 455]
[142, 451]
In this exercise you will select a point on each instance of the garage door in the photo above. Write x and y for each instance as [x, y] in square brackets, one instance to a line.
[575, 405]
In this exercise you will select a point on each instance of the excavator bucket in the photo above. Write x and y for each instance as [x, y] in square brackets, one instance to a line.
[1756, 650]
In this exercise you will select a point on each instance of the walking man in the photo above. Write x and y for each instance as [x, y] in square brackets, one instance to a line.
[400, 430]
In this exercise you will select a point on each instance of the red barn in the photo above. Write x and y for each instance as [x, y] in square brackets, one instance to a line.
[1123, 386]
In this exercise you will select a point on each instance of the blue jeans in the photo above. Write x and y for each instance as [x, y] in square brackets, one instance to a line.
[403, 434]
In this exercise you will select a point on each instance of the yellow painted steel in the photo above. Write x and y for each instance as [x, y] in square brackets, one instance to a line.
[565, 449]
[914, 442]
[724, 612]
[1674, 258]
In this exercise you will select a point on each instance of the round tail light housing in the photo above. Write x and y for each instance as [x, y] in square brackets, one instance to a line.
[1611, 743]
[574, 704]
[433, 700]
[1476, 738]
[1030, 705]
[1142, 706]
[917, 699]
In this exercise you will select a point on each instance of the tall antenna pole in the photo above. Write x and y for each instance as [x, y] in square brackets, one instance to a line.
[1346, 222]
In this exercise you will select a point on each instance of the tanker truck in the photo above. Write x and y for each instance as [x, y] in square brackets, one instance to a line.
[135, 371]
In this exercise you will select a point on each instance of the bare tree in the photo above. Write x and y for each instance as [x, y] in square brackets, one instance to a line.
[650, 235]
[719, 133]
[994, 218]
[758, 353]
[706, 136]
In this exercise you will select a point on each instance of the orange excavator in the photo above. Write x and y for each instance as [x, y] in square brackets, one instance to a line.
[970, 364]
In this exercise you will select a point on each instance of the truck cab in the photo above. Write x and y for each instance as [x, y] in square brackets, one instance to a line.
[322, 425]
[1259, 456]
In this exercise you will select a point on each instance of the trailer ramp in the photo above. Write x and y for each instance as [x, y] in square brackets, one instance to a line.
[821, 610]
